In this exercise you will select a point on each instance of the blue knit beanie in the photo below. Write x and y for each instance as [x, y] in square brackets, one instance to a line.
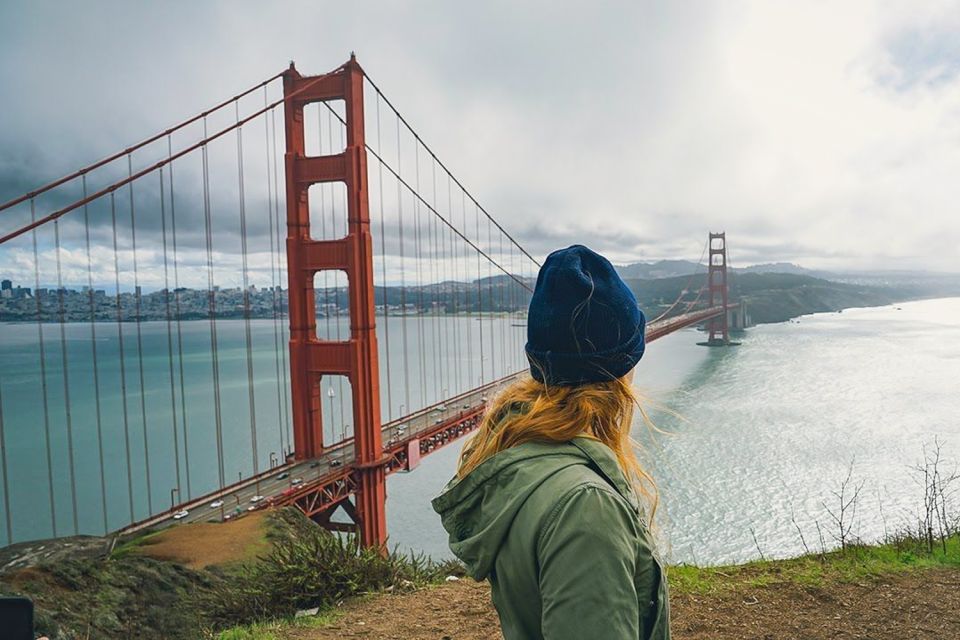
[584, 324]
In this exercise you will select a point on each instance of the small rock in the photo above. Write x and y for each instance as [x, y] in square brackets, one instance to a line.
[451, 578]
[303, 613]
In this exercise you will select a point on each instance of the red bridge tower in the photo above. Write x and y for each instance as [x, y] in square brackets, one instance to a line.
[356, 358]
[718, 327]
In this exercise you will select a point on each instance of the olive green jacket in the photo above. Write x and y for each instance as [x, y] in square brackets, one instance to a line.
[558, 531]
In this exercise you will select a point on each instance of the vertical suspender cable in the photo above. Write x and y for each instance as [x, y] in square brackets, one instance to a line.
[403, 280]
[123, 365]
[493, 336]
[383, 257]
[137, 295]
[273, 279]
[466, 295]
[212, 309]
[176, 302]
[505, 332]
[421, 347]
[3, 468]
[455, 294]
[43, 370]
[323, 220]
[437, 264]
[276, 218]
[169, 318]
[483, 354]
[336, 281]
[61, 316]
[96, 366]
[514, 315]
[244, 263]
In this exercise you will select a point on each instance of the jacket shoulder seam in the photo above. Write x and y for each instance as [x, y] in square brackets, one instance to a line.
[567, 496]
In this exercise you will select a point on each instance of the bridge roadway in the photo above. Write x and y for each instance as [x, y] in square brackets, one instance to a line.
[284, 482]
[316, 485]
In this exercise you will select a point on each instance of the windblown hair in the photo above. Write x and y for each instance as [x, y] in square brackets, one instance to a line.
[529, 410]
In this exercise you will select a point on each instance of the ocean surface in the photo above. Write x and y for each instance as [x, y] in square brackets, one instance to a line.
[761, 434]
[757, 436]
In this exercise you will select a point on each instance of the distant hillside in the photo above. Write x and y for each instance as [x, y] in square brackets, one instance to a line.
[777, 297]
[660, 269]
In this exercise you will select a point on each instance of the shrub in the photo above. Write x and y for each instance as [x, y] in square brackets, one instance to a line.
[311, 567]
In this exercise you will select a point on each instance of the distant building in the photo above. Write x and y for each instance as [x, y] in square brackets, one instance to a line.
[6, 285]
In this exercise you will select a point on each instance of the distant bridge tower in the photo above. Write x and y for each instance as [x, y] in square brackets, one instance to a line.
[356, 358]
[718, 327]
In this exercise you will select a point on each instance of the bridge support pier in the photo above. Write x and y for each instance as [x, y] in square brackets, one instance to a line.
[356, 358]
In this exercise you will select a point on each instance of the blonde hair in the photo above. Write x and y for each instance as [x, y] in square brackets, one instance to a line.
[528, 411]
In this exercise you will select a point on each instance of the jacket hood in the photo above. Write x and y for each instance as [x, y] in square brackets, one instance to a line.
[478, 510]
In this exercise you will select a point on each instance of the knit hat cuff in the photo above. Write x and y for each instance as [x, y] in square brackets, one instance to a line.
[573, 368]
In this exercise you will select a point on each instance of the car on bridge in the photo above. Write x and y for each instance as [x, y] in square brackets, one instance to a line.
[257, 498]
[180, 515]
[216, 504]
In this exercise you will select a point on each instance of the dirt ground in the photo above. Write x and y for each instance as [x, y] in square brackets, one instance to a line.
[922, 604]
[201, 544]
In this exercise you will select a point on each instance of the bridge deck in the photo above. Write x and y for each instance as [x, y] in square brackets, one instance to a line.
[316, 485]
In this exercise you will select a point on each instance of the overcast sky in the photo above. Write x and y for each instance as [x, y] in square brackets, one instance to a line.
[822, 133]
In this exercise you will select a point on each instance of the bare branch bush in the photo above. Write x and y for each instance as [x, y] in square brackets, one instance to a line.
[844, 512]
[938, 520]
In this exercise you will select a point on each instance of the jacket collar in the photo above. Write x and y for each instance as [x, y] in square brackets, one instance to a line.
[605, 463]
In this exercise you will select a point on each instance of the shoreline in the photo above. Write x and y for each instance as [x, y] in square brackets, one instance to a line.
[478, 315]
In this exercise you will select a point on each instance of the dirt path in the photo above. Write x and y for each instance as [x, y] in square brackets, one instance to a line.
[904, 606]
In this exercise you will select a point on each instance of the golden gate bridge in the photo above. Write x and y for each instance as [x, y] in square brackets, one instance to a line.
[400, 318]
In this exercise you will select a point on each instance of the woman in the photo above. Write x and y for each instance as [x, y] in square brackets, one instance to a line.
[547, 499]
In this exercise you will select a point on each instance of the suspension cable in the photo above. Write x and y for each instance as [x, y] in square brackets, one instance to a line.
[135, 176]
[212, 310]
[116, 156]
[416, 195]
[43, 372]
[271, 188]
[3, 468]
[283, 329]
[65, 364]
[123, 365]
[430, 151]
[96, 366]
[245, 279]
[686, 286]
[403, 281]
[169, 319]
[137, 321]
[176, 300]
[383, 263]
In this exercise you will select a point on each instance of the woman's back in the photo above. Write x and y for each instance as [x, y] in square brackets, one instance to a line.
[556, 528]
[545, 502]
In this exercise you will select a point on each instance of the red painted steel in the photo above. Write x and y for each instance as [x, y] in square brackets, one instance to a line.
[718, 327]
[311, 358]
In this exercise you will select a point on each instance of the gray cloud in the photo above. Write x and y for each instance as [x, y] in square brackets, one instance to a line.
[810, 135]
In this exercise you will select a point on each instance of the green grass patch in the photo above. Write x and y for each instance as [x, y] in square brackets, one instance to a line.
[130, 546]
[275, 629]
[854, 564]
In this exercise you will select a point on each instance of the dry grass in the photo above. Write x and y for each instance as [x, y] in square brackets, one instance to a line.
[201, 544]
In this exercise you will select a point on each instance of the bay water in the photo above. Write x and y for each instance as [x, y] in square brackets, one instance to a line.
[755, 437]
